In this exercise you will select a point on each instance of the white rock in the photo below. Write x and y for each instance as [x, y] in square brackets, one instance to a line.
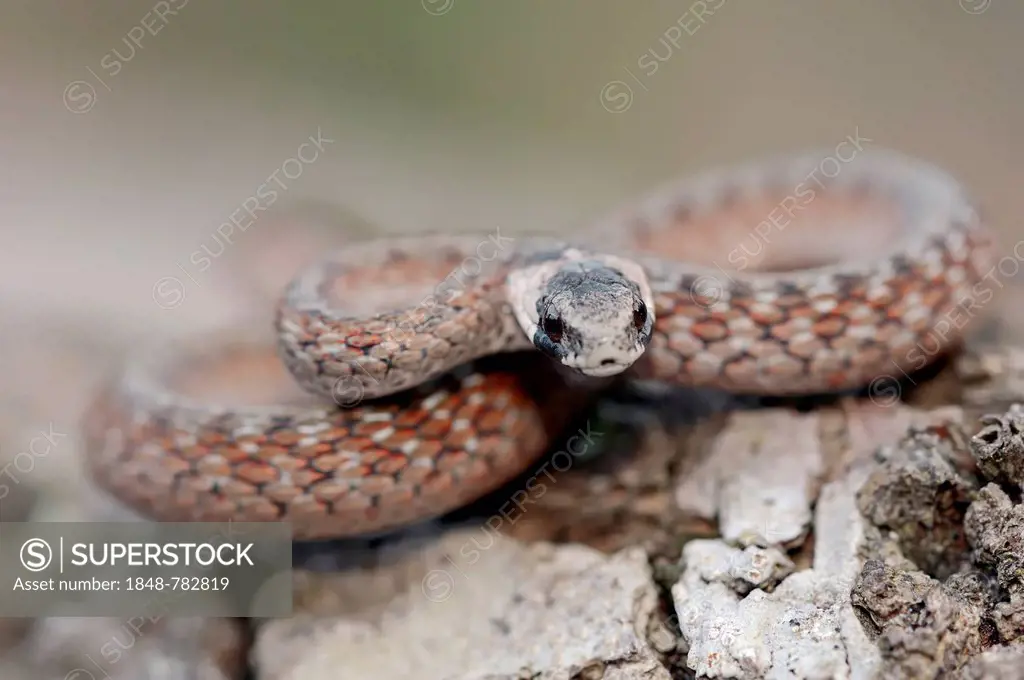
[483, 607]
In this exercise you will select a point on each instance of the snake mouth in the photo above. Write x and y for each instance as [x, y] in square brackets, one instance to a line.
[604, 370]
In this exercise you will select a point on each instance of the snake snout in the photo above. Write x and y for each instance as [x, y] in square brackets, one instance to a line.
[607, 359]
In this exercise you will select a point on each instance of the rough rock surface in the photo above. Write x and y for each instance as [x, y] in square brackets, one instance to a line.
[770, 502]
[927, 628]
[773, 621]
[941, 590]
[999, 447]
[478, 606]
[1000, 663]
[919, 497]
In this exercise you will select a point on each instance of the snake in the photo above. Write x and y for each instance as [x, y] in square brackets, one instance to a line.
[406, 377]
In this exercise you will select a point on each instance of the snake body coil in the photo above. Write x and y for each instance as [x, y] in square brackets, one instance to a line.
[751, 279]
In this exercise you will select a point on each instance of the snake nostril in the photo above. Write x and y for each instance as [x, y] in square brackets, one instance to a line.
[607, 362]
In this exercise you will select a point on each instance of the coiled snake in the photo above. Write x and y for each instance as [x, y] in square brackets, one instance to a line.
[766, 278]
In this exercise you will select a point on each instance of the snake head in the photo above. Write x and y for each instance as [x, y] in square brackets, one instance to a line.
[591, 313]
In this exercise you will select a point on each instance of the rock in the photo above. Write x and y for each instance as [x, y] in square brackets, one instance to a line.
[995, 529]
[759, 484]
[953, 609]
[925, 627]
[774, 597]
[999, 663]
[938, 634]
[478, 606]
[797, 631]
[805, 628]
[741, 570]
[919, 496]
[999, 447]
[884, 594]
[777, 622]
[1009, 618]
[773, 622]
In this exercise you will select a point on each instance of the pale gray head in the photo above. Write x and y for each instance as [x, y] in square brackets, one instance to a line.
[593, 313]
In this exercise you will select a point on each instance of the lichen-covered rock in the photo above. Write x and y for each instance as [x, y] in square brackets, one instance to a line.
[882, 594]
[950, 621]
[939, 634]
[995, 528]
[925, 627]
[920, 497]
[999, 447]
[1009, 619]
[999, 663]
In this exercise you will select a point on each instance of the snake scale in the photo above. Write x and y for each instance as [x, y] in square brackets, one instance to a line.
[414, 375]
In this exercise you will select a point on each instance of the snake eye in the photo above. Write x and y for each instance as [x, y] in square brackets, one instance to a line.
[553, 328]
[640, 316]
